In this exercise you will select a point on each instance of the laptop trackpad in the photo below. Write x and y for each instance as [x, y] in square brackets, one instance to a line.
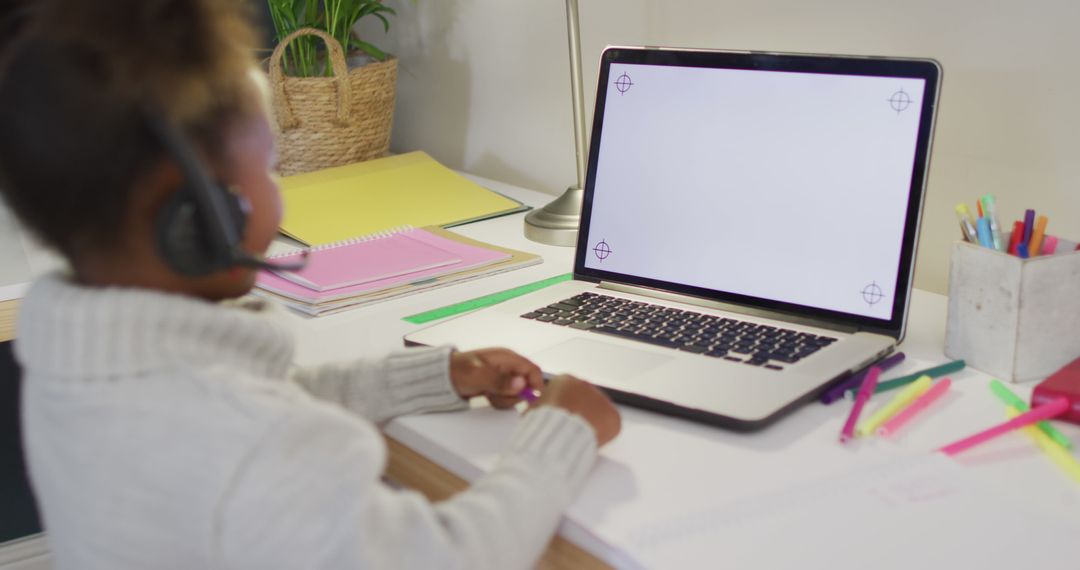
[596, 360]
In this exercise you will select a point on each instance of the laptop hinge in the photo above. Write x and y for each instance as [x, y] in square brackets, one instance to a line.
[711, 304]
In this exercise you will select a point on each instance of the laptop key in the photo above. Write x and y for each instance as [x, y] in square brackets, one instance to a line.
[546, 318]
[661, 342]
[530, 315]
[695, 348]
[584, 325]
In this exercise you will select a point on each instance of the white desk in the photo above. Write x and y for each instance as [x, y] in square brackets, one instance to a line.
[658, 462]
[694, 460]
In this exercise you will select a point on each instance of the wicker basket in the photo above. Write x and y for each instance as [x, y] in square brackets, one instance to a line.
[331, 121]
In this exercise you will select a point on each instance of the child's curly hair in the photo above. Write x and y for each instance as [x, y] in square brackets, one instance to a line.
[75, 85]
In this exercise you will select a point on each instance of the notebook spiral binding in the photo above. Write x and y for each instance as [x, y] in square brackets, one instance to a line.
[368, 237]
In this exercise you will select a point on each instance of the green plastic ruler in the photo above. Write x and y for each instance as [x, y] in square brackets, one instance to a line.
[485, 301]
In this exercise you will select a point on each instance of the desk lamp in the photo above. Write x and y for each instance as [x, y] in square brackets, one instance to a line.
[557, 222]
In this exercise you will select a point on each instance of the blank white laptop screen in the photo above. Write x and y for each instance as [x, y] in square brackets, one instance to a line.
[791, 187]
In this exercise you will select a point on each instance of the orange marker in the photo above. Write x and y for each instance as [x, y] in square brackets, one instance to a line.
[1035, 247]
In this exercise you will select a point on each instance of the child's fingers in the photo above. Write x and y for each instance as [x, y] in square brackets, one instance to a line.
[513, 364]
[503, 402]
[509, 385]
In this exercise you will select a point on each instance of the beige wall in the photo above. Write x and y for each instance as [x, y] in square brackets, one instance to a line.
[484, 86]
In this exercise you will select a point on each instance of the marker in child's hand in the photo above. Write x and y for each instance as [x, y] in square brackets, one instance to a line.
[529, 395]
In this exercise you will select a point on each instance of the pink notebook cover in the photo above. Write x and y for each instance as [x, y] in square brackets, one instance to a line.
[365, 260]
[470, 257]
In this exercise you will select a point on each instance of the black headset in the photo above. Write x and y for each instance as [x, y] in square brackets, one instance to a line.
[200, 229]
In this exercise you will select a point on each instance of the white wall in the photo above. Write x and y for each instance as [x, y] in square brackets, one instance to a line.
[484, 86]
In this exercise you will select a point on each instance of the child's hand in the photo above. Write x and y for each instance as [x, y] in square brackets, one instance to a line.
[584, 399]
[500, 374]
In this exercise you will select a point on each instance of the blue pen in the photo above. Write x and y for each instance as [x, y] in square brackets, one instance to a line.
[1022, 250]
[982, 228]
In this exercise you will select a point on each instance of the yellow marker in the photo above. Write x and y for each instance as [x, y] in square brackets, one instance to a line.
[963, 210]
[1058, 454]
[901, 401]
[967, 223]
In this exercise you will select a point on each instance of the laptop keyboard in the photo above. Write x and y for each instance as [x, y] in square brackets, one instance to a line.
[719, 337]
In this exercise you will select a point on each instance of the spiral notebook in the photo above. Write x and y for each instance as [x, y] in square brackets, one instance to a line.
[366, 259]
[474, 259]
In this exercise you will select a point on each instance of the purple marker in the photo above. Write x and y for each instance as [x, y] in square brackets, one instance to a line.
[837, 392]
[1029, 224]
[528, 394]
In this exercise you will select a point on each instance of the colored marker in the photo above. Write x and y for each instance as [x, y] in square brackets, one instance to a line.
[528, 394]
[989, 208]
[1022, 251]
[1011, 399]
[1015, 236]
[978, 207]
[867, 388]
[1035, 245]
[967, 226]
[1050, 244]
[837, 392]
[1029, 224]
[899, 402]
[1051, 409]
[921, 403]
[982, 229]
[1057, 454]
[933, 372]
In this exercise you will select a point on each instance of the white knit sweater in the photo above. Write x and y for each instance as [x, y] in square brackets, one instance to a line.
[166, 432]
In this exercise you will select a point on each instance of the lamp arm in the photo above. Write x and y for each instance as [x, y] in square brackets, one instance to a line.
[573, 32]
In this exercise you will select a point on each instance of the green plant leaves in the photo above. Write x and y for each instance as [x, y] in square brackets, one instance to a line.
[304, 56]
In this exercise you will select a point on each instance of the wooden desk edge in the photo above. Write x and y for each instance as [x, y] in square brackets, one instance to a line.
[408, 468]
[8, 309]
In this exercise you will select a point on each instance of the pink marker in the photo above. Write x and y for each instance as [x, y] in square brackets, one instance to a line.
[865, 391]
[1051, 409]
[920, 404]
[1049, 245]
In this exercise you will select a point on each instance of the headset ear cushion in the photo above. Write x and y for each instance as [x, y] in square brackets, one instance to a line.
[181, 240]
[182, 236]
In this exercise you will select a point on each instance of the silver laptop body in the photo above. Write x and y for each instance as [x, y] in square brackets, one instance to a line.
[748, 234]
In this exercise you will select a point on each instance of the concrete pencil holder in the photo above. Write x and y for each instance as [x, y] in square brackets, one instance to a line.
[1016, 319]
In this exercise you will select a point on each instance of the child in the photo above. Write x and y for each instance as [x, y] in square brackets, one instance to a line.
[166, 430]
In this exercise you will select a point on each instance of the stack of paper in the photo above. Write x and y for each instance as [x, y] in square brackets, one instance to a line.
[390, 264]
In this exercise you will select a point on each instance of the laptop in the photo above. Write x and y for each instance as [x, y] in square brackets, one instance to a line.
[747, 237]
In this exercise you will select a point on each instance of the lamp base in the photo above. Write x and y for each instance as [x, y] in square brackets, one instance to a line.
[557, 223]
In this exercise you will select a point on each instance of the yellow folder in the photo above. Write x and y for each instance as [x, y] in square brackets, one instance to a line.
[368, 197]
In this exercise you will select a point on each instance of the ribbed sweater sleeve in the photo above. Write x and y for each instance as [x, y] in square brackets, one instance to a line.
[406, 382]
[330, 509]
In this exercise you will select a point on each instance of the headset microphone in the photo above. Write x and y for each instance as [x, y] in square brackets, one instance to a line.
[245, 260]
